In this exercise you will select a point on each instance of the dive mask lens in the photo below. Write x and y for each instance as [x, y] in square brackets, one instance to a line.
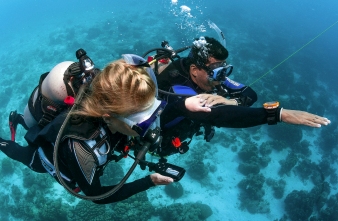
[221, 73]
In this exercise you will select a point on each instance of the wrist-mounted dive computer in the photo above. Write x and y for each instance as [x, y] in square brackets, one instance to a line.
[271, 108]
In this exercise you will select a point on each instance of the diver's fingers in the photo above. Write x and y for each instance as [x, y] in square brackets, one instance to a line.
[304, 118]
[221, 100]
[312, 124]
[218, 100]
[159, 179]
[204, 97]
[212, 103]
[194, 104]
[205, 109]
[317, 121]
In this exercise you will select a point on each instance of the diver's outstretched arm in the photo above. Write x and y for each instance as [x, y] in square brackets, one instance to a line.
[242, 117]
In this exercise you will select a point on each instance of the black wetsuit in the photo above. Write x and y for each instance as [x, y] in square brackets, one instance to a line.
[69, 165]
[228, 116]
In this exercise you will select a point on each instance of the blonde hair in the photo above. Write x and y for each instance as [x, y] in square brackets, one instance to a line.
[120, 89]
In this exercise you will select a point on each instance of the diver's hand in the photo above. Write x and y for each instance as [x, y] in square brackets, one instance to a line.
[212, 100]
[304, 118]
[158, 179]
[196, 104]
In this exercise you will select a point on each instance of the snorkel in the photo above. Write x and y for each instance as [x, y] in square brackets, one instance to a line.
[219, 33]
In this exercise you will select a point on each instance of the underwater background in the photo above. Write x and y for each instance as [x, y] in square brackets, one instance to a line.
[285, 50]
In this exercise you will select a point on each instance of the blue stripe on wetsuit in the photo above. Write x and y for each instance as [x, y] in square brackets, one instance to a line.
[180, 89]
[232, 84]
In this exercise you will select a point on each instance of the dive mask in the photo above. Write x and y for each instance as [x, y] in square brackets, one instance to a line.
[219, 71]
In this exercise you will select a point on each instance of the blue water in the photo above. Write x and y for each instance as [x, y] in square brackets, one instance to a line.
[286, 50]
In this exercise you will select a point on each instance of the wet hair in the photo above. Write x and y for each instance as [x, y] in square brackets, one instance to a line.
[120, 89]
[200, 55]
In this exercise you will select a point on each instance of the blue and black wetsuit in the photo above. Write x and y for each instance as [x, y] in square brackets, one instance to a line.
[189, 123]
[177, 73]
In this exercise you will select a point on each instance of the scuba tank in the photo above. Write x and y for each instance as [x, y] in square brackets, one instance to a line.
[57, 89]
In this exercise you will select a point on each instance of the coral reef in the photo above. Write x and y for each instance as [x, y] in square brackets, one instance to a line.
[302, 149]
[264, 161]
[289, 134]
[321, 193]
[305, 169]
[299, 205]
[196, 168]
[287, 164]
[7, 167]
[329, 138]
[252, 193]
[330, 212]
[87, 210]
[252, 162]
[278, 187]
[248, 168]
[185, 212]
[136, 207]
[198, 171]
[247, 152]
[312, 205]
[266, 148]
[174, 190]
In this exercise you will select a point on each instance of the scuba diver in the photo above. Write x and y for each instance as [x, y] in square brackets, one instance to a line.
[204, 71]
[74, 145]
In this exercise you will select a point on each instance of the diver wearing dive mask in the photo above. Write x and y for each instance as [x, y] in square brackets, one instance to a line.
[204, 71]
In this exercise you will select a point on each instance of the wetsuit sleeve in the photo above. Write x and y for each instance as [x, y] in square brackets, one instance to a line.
[95, 188]
[221, 116]
[244, 95]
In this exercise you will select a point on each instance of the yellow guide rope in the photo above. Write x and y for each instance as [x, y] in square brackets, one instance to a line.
[294, 53]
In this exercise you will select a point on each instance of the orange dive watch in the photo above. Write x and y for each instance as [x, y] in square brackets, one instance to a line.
[271, 108]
